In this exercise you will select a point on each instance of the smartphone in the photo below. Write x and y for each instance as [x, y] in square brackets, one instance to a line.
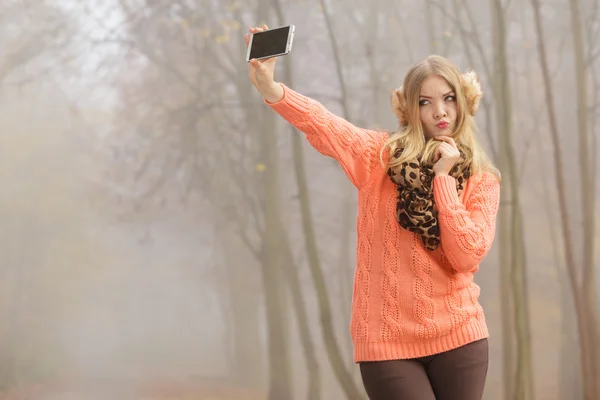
[271, 43]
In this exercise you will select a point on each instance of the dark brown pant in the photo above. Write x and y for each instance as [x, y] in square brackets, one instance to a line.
[457, 374]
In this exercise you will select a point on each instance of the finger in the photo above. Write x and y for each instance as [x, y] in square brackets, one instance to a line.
[258, 65]
[269, 60]
[263, 61]
[265, 27]
[446, 139]
[445, 147]
[447, 150]
[449, 154]
[247, 39]
[452, 142]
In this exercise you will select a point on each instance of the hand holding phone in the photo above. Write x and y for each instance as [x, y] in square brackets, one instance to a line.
[262, 71]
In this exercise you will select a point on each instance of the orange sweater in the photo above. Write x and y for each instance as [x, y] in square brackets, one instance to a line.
[407, 301]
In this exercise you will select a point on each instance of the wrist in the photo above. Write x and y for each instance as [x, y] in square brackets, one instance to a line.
[274, 93]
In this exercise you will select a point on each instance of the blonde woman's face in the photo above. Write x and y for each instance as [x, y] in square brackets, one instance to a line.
[437, 107]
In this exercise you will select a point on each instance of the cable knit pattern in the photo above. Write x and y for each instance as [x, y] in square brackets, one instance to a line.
[457, 285]
[423, 306]
[407, 301]
[391, 329]
[475, 291]
[362, 280]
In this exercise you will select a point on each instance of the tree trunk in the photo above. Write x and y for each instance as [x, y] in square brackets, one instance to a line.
[507, 306]
[569, 370]
[247, 365]
[310, 354]
[280, 382]
[523, 373]
[507, 303]
[582, 311]
[587, 199]
[570, 366]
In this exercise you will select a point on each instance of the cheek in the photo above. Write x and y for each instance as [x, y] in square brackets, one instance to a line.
[424, 117]
[452, 110]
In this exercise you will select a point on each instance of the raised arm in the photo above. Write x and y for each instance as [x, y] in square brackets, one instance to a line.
[356, 149]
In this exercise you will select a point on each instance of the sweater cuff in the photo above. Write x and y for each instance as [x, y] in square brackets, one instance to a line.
[291, 104]
[444, 192]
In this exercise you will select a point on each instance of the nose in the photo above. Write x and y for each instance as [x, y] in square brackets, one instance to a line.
[440, 111]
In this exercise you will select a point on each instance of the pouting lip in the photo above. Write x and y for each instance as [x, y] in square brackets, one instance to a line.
[444, 123]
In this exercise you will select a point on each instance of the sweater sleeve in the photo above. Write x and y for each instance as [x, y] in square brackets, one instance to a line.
[356, 149]
[467, 231]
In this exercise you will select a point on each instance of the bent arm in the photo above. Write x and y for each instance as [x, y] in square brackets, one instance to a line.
[467, 231]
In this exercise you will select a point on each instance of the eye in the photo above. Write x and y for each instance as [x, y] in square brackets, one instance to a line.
[450, 98]
[423, 102]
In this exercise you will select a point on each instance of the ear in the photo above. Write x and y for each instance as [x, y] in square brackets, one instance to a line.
[472, 90]
[399, 105]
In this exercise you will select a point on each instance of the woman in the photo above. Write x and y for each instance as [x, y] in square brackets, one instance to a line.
[427, 203]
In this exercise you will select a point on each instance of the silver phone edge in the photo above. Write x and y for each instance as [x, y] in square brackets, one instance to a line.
[290, 41]
[249, 48]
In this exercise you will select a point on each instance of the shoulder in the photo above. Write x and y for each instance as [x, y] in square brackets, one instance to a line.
[381, 136]
[375, 139]
[375, 145]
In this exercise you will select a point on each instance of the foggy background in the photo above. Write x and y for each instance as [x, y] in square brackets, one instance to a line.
[164, 233]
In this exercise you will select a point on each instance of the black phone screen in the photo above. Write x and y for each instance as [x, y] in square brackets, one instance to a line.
[269, 43]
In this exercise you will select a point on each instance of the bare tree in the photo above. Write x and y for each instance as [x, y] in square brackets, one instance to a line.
[151, 36]
[524, 382]
[584, 309]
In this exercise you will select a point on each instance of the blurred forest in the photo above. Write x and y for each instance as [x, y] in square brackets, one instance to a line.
[166, 235]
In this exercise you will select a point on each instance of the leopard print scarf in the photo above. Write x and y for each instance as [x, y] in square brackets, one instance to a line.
[416, 210]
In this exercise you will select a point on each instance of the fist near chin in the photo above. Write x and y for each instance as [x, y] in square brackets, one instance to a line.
[445, 156]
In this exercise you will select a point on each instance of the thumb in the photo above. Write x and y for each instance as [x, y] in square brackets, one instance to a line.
[257, 65]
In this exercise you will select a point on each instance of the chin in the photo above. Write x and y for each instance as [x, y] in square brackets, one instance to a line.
[435, 131]
[443, 132]
[439, 132]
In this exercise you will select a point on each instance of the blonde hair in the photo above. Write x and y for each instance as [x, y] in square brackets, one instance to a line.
[410, 137]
